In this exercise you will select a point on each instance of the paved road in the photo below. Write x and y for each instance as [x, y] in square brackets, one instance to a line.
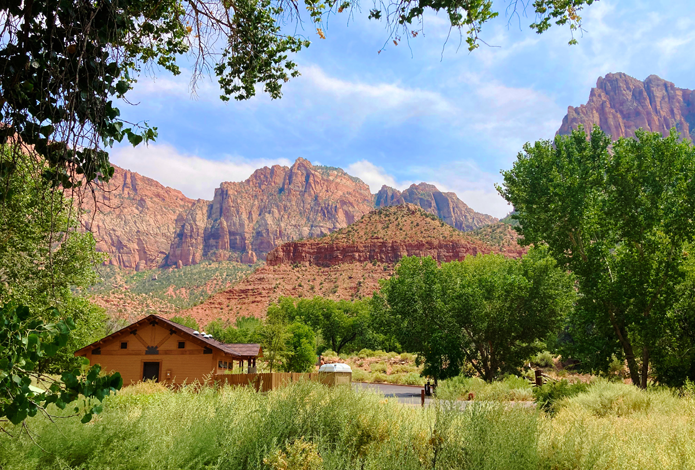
[403, 393]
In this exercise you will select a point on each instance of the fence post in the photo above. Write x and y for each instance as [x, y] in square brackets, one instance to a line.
[422, 397]
[539, 378]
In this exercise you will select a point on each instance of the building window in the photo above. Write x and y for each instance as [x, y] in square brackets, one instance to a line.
[182, 344]
[220, 364]
[224, 366]
[124, 345]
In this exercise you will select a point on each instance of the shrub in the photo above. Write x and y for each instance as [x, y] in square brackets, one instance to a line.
[550, 393]
[380, 353]
[379, 378]
[408, 357]
[543, 359]
[413, 378]
[604, 398]
[359, 375]
[300, 455]
[511, 388]
[378, 367]
[365, 353]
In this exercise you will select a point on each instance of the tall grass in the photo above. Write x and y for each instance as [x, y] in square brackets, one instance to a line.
[309, 426]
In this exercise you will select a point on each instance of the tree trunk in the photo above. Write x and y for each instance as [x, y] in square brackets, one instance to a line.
[645, 366]
[627, 348]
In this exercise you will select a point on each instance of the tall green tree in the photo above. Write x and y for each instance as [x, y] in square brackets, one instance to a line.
[506, 308]
[487, 312]
[275, 336]
[339, 322]
[43, 259]
[301, 356]
[619, 216]
[412, 306]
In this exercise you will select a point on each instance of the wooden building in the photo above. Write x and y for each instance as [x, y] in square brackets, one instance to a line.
[155, 348]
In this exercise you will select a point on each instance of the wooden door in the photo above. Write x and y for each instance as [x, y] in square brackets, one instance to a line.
[150, 371]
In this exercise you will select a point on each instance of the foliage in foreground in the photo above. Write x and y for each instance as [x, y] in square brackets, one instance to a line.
[24, 342]
[309, 426]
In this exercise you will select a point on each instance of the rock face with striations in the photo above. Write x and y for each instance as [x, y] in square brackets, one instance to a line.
[384, 236]
[621, 104]
[446, 206]
[136, 219]
[143, 224]
[247, 220]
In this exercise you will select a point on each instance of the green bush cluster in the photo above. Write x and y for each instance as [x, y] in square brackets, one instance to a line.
[550, 393]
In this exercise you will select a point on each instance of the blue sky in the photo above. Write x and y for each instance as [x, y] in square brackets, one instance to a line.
[417, 112]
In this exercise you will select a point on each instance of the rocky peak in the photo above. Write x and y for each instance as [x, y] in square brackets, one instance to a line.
[446, 206]
[246, 220]
[621, 104]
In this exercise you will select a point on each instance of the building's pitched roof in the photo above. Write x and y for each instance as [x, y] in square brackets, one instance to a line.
[236, 349]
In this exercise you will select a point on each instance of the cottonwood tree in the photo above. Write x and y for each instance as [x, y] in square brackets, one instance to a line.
[619, 216]
[339, 322]
[486, 312]
[505, 308]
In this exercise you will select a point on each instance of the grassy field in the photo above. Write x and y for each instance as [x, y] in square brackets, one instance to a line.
[309, 426]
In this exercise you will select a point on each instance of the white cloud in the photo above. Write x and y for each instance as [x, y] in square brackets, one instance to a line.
[506, 116]
[196, 177]
[374, 176]
[358, 101]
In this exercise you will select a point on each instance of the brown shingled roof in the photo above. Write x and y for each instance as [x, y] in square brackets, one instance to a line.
[248, 350]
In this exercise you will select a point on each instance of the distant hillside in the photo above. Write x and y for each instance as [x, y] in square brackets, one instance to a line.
[128, 294]
[346, 264]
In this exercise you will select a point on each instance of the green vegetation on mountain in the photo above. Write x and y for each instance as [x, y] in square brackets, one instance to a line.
[167, 290]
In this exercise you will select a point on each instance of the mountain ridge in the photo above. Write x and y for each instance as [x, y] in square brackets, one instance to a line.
[156, 226]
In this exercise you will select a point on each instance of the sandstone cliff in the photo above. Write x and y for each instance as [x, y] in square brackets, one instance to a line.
[143, 224]
[621, 104]
[246, 220]
[385, 236]
[135, 220]
[446, 206]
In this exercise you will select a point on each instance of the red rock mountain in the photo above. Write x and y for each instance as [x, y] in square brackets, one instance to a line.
[345, 264]
[621, 104]
[246, 220]
[385, 236]
[142, 224]
[135, 220]
[446, 206]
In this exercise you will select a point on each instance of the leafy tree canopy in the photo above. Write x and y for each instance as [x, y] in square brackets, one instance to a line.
[619, 216]
[488, 312]
[339, 322]
[64, 63]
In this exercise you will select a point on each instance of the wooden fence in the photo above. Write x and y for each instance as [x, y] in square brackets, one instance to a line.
[266, 382]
